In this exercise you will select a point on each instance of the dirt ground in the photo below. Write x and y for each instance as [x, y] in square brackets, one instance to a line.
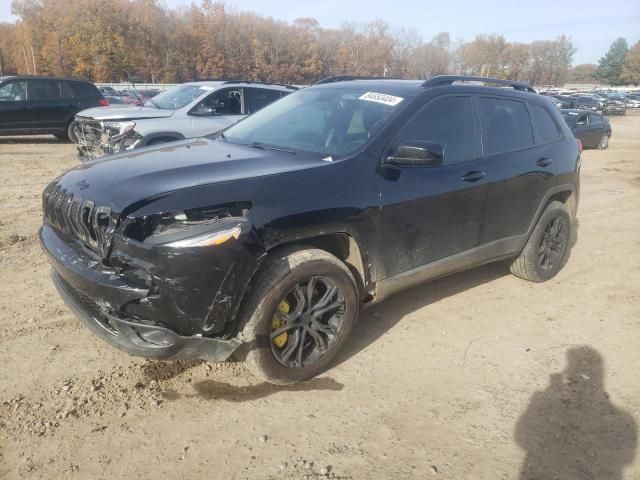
[476, 376]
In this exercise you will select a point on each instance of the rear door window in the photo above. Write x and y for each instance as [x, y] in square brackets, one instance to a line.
[448, 121]
[506, 125]
[43, 90]
[257, 98]
[545, 125]
[596, 120]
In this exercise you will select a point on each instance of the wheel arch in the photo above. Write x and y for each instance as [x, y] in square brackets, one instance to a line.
[343, 246]
[566, 194]
[152, 138]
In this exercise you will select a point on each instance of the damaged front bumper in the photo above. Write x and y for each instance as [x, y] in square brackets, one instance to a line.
[150, 310]
[149, 341]
[97, 138]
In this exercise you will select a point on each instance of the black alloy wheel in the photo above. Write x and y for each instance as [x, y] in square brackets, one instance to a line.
[552, 243]
[307, 322]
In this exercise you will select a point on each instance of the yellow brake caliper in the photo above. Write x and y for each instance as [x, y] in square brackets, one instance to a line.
[277, 321]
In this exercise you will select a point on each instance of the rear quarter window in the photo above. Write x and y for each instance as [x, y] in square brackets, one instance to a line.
[80, 89]
[547, 128]
[506, 125]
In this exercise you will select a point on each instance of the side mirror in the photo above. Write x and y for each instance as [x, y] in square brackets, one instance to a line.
[417, 153]
[203, 111]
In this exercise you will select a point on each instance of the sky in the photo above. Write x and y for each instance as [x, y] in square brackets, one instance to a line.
[593, 25]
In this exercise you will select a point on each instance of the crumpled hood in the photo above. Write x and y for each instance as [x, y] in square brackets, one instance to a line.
[122, 180]
[120, 112]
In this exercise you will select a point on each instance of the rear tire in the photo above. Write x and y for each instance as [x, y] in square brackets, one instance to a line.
[547, 249]
[604, 142]
[313, 332]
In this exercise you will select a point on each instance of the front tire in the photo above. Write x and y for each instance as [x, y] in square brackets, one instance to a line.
[546, 251]
[71, 132]
[298, 315]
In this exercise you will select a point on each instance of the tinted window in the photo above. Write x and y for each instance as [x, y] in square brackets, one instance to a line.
[82, 89]
[447, 121]
[13, 92]
[582, 119]
[506, 124]
[256, 98]
[547, 128]
[596, 120]
[43, 90]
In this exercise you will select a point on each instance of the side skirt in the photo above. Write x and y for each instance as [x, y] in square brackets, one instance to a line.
[497, 250]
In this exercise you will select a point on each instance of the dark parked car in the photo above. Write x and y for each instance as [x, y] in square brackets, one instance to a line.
[267, 238]
[563, 101]
[138, 97]
[614, 106]
[39, 105]
[586, 102]
[591, 128]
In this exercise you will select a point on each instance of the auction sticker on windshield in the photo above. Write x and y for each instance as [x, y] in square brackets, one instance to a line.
[381, 98]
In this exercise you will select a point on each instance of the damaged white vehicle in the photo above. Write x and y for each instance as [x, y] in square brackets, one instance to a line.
[185, 111]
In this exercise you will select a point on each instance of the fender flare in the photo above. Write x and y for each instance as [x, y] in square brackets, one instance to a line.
[565, 187]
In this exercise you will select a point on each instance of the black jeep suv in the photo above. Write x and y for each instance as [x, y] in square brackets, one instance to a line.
[32, 105]
[267, 239]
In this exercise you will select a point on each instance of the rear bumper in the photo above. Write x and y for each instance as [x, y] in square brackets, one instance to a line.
[143, 340]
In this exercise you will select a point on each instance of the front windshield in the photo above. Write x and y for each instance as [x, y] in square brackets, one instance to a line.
[177, 97]
[328, 121]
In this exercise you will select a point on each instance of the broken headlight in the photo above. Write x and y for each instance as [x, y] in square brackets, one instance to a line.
[190, 228]
[117, 130]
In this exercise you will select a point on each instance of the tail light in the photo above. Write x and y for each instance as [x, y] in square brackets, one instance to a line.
[579, 142]
[104, 102]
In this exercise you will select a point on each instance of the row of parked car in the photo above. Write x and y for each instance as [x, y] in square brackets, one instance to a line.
[105, 120]
[607, 102]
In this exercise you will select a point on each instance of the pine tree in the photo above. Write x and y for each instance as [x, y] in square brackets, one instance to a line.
[610, 66]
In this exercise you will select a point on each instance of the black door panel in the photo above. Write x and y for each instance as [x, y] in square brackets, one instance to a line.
[431, 212]
[14, 114]
[517, 169]
[47, 111]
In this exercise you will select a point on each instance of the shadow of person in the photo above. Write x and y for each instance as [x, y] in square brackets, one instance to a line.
[571, 431]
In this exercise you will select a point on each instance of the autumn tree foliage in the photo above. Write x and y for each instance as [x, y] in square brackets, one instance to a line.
[100, 40]
[631, 66]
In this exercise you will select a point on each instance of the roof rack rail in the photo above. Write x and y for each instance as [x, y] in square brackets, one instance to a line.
[257, 82]
[449, 79]
[225, 81]
[346, 78]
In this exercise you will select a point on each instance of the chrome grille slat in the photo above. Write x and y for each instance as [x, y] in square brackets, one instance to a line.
[79, 218]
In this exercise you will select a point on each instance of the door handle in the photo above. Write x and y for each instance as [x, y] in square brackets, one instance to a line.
[473, 176]
[544, 162]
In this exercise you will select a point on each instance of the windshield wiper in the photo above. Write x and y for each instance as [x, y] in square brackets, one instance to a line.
[261, 146]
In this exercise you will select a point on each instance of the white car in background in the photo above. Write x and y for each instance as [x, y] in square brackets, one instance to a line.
[185, 111]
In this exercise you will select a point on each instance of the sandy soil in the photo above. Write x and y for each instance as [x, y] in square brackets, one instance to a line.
[476, 376]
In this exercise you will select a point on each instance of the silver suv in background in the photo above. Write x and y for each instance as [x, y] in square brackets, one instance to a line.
[188, 110]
